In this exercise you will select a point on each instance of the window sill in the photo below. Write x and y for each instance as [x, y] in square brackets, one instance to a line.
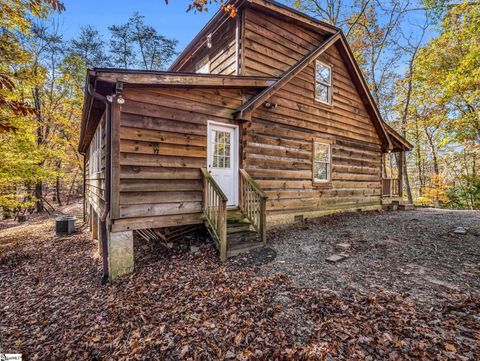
[324, 104]
[322, 184]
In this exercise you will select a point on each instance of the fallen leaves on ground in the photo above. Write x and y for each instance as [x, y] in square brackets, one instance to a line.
[179, 305]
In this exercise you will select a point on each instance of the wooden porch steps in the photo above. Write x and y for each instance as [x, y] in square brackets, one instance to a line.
[237, 230]
[241, 237]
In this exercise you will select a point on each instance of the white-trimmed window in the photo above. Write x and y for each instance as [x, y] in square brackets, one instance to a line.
[321, 162]
[323, 82]
[203, 67]
[95, 159]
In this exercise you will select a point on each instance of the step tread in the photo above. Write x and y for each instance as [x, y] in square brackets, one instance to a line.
[236, 220]
[238, 229]
[244, 245]
[234, 251]
[245, 237]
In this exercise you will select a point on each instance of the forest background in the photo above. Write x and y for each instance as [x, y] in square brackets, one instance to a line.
[421, 59]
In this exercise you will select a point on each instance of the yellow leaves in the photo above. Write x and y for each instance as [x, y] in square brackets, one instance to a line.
[437, 191]
[230, 9]
[239, 338]
[450, 347]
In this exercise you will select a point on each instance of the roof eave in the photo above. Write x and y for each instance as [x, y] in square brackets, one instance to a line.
[87, 100]
[178, 79]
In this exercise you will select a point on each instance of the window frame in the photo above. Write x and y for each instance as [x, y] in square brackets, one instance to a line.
[328, 85]
[205, 61]
[320, 182]
[95, 161]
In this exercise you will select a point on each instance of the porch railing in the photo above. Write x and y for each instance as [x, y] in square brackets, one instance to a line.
[215, 212]
[391, 187]
[253, 204]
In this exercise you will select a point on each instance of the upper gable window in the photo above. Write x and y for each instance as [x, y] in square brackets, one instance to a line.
[203, 67]
[323, 82]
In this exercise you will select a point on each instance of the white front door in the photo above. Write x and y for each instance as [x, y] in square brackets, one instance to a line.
[223, 159]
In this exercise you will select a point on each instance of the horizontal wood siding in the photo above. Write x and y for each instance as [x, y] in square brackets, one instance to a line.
[222, 54]
[272, 45]
[279, 157]
[346, 117]
[278, 146]
[163, 139]
[95, 183]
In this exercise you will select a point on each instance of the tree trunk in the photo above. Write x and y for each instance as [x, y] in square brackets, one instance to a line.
[39, 197]
[406, 179]
[419, 159]
[57, 190]
[58, 184]
[71, 187]
[436, 168]
[40, 138]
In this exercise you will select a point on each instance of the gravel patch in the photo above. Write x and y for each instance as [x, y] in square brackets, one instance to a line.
[414, 253]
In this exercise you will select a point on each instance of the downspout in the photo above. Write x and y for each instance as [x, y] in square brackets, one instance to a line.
[84, 189]
[108, 158]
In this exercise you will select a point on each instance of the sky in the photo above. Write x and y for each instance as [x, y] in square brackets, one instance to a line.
[170, 20]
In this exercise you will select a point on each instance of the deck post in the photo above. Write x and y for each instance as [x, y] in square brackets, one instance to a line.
[263, 220]
[120, 253]
[222, 230]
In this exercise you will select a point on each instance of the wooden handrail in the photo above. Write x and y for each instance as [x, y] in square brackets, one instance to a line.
[254, 184]
[208, 176]
[215, 211]
[253, 203]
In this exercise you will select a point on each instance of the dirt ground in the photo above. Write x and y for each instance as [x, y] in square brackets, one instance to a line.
[387, 301]
[413, 253]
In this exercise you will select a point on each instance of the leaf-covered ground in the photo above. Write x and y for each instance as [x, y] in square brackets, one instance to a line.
[181, 305]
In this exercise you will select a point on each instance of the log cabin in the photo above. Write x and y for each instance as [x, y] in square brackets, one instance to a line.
[264, 119]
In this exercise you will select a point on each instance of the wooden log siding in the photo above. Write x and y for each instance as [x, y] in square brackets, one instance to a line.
[163, 140]
[279, 157]
[296, 105]
[222, 54]
[95, 183]
[272, 45]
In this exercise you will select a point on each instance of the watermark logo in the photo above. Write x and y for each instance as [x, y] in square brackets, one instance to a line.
[8, 356]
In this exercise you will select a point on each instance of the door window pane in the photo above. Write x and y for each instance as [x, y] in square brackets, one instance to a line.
[221, 149]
